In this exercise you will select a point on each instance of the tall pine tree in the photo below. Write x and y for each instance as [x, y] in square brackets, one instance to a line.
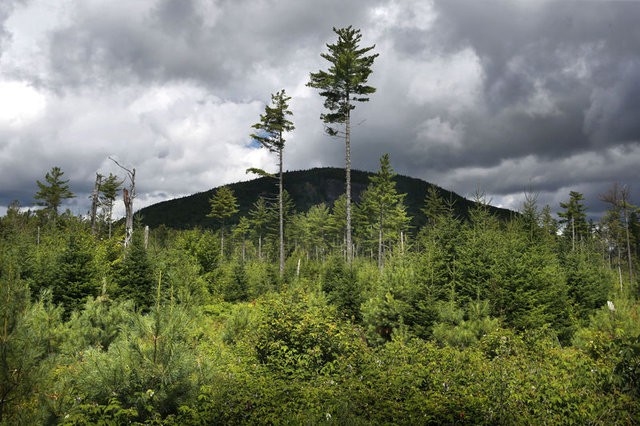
[273, 124]
[341, 85]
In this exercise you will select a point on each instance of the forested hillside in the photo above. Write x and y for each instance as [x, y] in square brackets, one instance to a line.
[306, 189]
[466, 320]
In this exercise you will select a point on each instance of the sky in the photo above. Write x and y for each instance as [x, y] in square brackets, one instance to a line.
[502, 97]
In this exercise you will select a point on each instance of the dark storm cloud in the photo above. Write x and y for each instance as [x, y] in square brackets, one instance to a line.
[498, 95]
[219, 44]
[584, 54]
[560, 79]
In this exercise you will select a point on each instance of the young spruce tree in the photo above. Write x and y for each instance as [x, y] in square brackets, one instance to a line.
[53, 191]
[135, 275]
[223, 205]
[259, 217]
[575, 218]
[382, 207]
[108, 192]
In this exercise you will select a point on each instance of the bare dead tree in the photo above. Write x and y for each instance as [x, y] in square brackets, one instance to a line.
[94, 202]
[128, 195]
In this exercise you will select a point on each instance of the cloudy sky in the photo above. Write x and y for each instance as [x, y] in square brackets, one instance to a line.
[501, 96]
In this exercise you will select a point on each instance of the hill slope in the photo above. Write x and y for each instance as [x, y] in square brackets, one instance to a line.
[306, 187]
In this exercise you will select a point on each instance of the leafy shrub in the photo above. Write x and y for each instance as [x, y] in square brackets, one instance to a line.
[299, 334]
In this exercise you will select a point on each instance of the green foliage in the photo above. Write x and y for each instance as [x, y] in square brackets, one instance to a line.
[104, 414]
[240, 234]
[400, 299]
[134, 276]
[259, 172]
[261, 277]
[98, 325]
[462, 329]
[311, 231]
[574, 218]
[183, 276]
[437, 258]
[345, 81]
[588, 282]
[299, 334]
[382, 316]
[342, 85]
[436, 207]
[74, 279]
[239, 322]
[31, 332]
[53, 192]
[223, 204]
[381, 214]
[342, 288]
[611, 339]
[307, 188]
[109, 188]
[478, 320]
[146, 373]
[16, 354]
[206, 251]
[236, 288]
[259, 218]
[274, 122]
[521, 279]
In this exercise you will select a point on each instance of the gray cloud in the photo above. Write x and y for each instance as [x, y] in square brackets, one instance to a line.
[559, 81]
[501, 95]
[223, 45]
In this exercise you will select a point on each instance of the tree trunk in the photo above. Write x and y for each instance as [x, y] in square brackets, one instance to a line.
[109, 216]
[347, 143]
[620, 276]
[380, 242]
[94, 202]
[128, 207]
[128, 197]
[222, 240]
[625, 213]
[281, 213]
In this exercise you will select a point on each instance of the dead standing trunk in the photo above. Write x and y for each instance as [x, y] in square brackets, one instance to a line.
[94, 202]
[128, 207]
[128, 196]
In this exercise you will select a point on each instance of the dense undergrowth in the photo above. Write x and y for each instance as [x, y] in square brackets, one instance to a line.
[481, 322]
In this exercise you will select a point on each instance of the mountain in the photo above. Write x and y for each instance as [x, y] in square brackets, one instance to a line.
[307, 188]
